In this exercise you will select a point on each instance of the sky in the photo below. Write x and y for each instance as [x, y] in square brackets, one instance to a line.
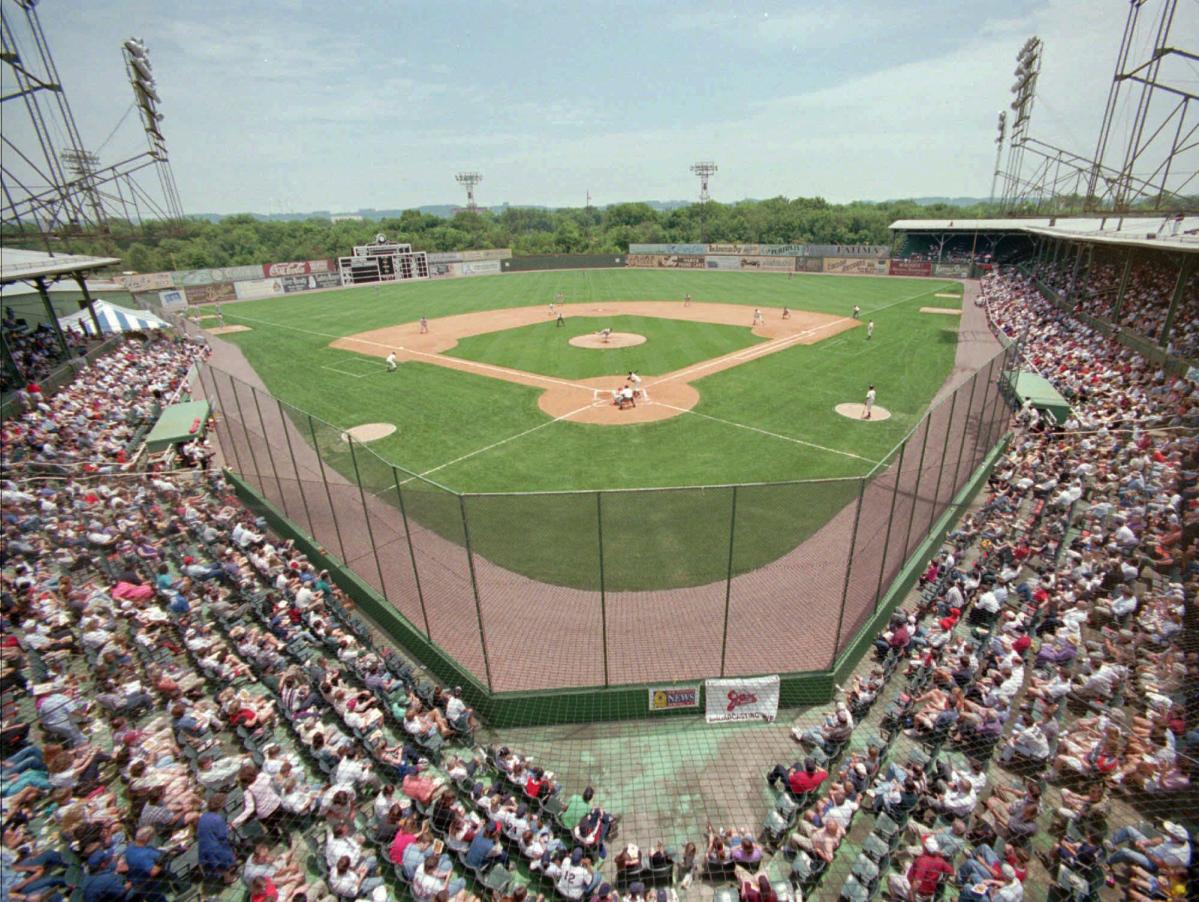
[296, 105]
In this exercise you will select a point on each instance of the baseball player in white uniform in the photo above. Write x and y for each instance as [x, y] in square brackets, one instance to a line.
[759, 319]
[391, 362]
[869, 405]
[635, 381]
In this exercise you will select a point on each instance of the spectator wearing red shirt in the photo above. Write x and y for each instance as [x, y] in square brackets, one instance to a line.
[928, 869]
[800, 780]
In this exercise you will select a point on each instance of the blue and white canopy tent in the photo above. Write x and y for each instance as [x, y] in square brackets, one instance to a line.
[113, 318]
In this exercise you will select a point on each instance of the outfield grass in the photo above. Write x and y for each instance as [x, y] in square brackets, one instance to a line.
[768, 420]
[545, 348]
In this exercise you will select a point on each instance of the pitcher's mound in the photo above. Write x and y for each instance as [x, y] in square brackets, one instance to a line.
[225, 330]
[615, 340]
[857, 412]
[371, 432]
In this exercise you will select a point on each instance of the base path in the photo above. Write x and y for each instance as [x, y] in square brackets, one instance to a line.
[589, 400]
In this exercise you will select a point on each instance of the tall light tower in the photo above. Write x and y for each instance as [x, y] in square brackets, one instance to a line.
[704, 169]
[1002, 133]
[468, 180]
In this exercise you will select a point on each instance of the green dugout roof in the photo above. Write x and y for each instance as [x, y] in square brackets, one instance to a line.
[178, 423]
[1033, 387]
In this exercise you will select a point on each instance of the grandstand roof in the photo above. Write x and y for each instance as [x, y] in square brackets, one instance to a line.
[1156, 232]
[17, 264]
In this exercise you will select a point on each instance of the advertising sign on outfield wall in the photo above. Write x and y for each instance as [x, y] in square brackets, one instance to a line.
[849, 250]
[809, 264]
[444, 270]
[768, 264]
[731, 263]
[445, 257]
[493, 253]
[480, 268]
[738, 249]
[784, 250]
[747, 698]
[258, 288]
[668, 249]
[210, 294]
[911, 268]
[298, 268]
[666, 261]
[146, 281]
[952, 270]
[855, 265]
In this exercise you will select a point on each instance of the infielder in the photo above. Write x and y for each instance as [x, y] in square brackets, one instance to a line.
[391, 362]
[686, 300]
[553, 309]
[870, 330]
[759, 319]
[869, 405]
[856, 311]
[424, 325]
[561, 321]
[786, 313]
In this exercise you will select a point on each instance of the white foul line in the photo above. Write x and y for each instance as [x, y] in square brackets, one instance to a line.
[502, 441]
[777, 435]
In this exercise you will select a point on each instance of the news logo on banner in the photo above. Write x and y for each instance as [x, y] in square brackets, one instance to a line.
[748, 698]
[481, 268]
[146, 281]
[671, 698]
[784, 250]
[172, 299]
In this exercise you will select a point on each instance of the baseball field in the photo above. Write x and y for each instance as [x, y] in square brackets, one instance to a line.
[493, 397]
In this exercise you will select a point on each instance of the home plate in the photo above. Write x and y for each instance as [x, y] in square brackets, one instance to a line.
[371, 432]
[858, 412]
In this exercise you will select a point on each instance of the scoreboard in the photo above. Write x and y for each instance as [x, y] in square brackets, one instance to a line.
[383, 261]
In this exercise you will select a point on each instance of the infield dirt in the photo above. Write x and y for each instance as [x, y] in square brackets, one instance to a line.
[589, 400]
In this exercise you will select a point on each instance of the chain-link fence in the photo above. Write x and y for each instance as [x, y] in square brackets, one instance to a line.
[567, 589]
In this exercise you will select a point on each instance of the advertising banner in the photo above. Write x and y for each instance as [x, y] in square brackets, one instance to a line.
[751, 250]
[444, 270]
[809, 264]
[298, 268]
[667, 261]
[911, 268]
[671, 698]
[495, 253]
[252, 289]
[147, 281]
[857, 265]
[668, 249]
[210, 294]
[445, 257]
[849, 250]
[730, 263]
[768, 264]
[952, 270]
[482, 268]
[784, 250]
[171, 300]
[748, 698]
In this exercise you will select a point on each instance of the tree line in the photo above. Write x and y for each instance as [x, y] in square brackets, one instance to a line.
[243, 238]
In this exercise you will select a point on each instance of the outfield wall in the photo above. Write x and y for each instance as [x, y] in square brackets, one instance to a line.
[529, 593]
[563, 261]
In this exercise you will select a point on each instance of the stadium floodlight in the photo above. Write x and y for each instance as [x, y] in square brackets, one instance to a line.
[469, 180]
[704, 169]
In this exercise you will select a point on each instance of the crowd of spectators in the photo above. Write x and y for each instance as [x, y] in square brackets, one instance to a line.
[189, 700]
[1146, 303]
[1045, 717]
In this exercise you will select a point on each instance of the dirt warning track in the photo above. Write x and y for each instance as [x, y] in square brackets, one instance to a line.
[588, 400]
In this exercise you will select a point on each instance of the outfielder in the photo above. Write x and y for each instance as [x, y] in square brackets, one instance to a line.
[870, 330]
